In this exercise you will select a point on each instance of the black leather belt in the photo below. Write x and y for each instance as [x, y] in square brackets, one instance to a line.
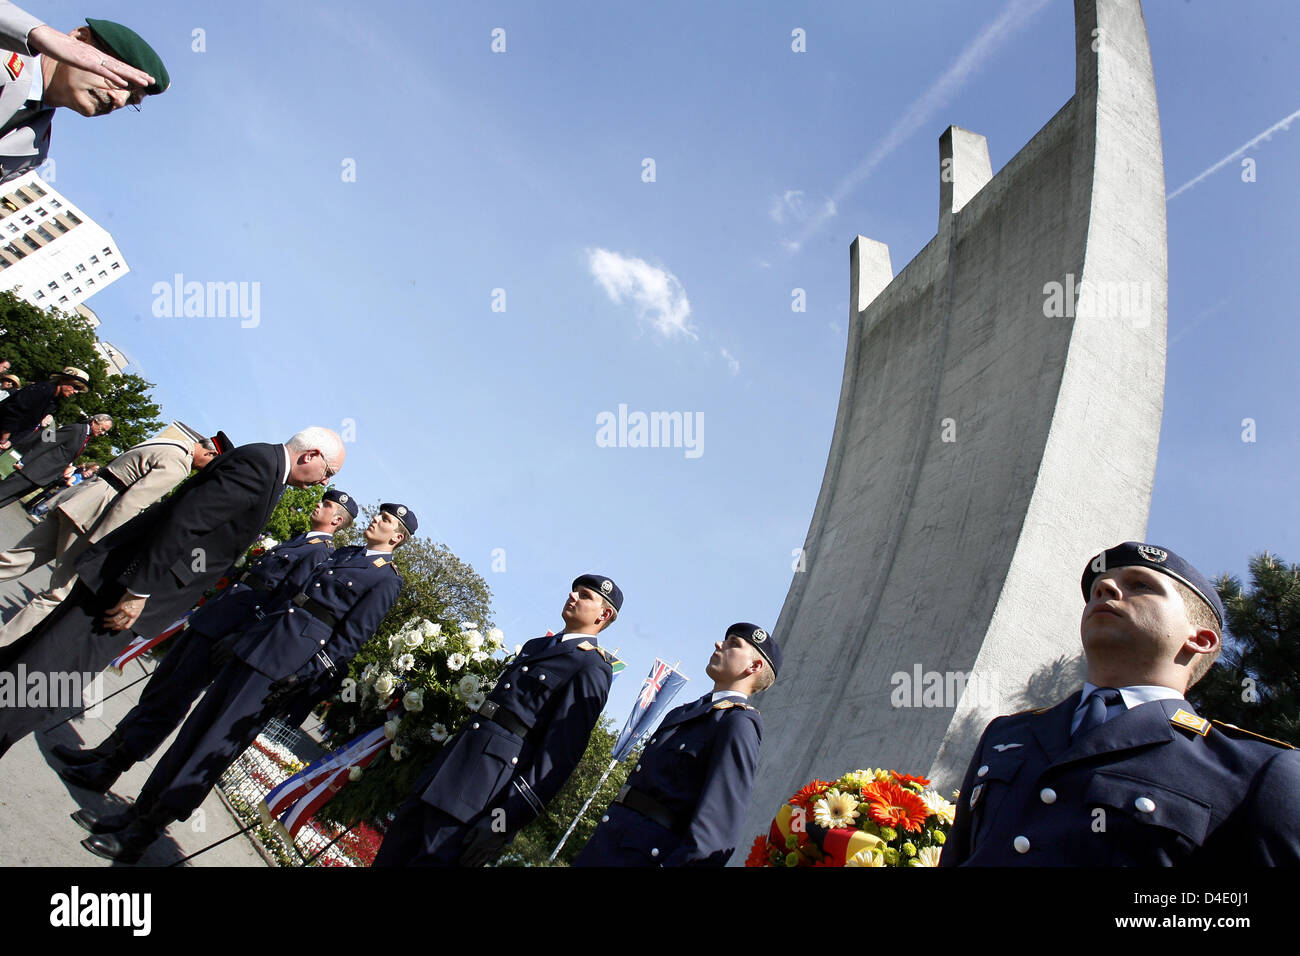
[316, 610]
[114, 482]
[256, 581]
[503, 718]
[649, 807]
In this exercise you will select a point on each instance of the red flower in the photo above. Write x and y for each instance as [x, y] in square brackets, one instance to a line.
[805, 797]
[893, 806]
[758, 853]
[906, 778]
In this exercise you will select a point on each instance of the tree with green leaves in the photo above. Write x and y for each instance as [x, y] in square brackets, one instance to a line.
[38, 343]
[1255, 683]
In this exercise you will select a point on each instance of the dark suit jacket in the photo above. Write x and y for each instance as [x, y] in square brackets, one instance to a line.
[46, 462]
[23, 410]
[356, 589]
[1143, 789]
[176, 549]
[699, 765]
[559, 691]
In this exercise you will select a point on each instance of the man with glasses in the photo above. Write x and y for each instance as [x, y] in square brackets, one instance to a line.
[154, 568]
[92, 70]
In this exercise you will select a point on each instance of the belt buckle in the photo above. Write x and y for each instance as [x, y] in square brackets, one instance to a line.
[301, 599]
[488, 709]
[622, 792]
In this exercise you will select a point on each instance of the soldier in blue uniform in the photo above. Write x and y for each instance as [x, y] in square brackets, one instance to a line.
[299, 648]
[509, 760]
[188, 667]
[684, 803]
[1125, 773]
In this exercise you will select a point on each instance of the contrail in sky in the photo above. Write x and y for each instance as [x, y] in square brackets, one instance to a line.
[1267, 134]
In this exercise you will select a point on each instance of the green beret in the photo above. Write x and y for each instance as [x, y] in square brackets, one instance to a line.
[128, 46]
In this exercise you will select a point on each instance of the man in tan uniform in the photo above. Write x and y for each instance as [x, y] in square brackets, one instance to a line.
[126, 486]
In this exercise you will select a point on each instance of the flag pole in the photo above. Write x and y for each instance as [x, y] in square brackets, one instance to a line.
[567, 833]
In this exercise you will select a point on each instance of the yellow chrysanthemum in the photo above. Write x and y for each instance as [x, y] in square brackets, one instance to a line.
[883, 775]
[938, 806]
[855, 780]
[928, 856]
[867, 857]
[836, 809]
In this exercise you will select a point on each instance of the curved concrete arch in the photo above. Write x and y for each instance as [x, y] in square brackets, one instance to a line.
[985, 447]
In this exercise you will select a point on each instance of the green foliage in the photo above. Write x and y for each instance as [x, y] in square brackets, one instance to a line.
[38, 343]
[534, 843]
[292, 515]
[1255, 684]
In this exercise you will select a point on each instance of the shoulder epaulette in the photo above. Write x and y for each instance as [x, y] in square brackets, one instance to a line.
[728, 703]
[588, 646]
[1233, 729]
[1185, 718]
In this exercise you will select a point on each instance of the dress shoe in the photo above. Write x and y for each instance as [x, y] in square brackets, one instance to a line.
[74, 757]
[97, 777]
[105, 822]
[129, 845]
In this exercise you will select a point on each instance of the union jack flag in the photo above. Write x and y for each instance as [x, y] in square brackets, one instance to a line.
[657, 692]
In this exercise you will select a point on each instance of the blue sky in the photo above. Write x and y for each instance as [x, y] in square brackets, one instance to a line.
[522, 171]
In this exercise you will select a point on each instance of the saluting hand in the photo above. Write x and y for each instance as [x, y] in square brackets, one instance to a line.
[67, 49]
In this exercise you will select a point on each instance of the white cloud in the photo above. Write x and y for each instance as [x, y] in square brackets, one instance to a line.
[794, 207]
[732, 363]
[655, 292]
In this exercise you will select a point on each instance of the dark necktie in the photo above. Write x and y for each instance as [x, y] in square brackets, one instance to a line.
[1094, 714]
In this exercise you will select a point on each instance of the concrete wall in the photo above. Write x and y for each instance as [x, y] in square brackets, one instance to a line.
[963, 556]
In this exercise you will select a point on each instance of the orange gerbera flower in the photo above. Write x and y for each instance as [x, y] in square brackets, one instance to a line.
[894, 806]
[805, 797]
[906, 778]
[758, 853]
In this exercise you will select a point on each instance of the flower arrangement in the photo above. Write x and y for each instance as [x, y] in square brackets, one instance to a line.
[865, 818]
[440, 674]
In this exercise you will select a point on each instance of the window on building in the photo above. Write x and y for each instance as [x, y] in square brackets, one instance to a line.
[116, 264]
[31, 243]
[9, 202]
[73, 219]
[26, 220]
[81, 267]
[58, 225]
[44, 233]
[12, 228]
[63, 300]
[94, 259]
[39, 295]
[108, 251]
[56, 204]
[102, 273]
[77, 291]
[39, 211]
[36, 189]
[52, 286]
[14, 250]
[67, 277]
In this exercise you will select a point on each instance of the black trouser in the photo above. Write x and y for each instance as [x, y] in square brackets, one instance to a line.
[71, 640]
[16, 486]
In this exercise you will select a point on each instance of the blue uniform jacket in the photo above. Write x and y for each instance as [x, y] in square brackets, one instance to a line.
[235, 607]
[559, 691]
[700, 765]
[290, 641]
[1143, 789]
